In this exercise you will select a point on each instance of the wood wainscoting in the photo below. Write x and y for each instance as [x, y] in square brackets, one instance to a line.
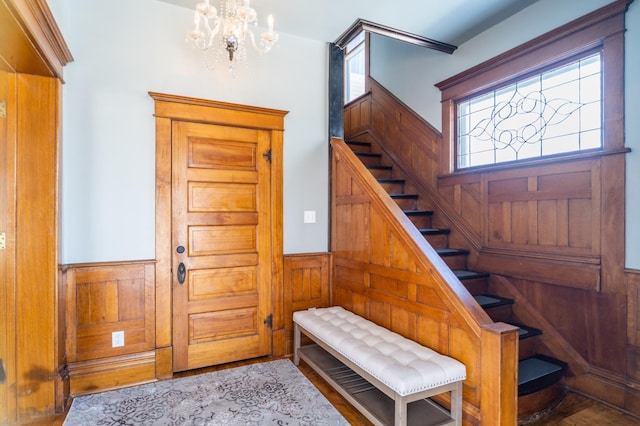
[551, 232]
[386, 271]
[103, 299]
[306, 285]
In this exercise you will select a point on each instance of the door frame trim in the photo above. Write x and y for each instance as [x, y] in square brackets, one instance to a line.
[169, 108]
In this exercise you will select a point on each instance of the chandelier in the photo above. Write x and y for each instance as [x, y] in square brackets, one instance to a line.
[230, 25]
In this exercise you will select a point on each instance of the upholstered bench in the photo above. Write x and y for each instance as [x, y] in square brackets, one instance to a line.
[384, 375]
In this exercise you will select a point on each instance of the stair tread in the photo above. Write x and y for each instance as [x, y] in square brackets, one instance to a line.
[538, 372]
[434, 231]
[526, 331]
[451, 252]
[418, 212]
[377, 167]
[367, 154]
[491, 301]
[358, 143]
[463, 274]
[390, 180]
[401, 195]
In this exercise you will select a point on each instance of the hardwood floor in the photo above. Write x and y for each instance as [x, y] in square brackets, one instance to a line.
[578, 410]
[574, 410]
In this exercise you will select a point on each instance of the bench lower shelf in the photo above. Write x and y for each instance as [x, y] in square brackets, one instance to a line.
[369, 400]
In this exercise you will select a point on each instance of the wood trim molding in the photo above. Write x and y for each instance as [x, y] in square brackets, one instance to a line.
[216, 112]
[371, 27]
[36, 45]
[111, 373]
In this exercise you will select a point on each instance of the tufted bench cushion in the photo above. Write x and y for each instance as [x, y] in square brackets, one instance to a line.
[403, 365]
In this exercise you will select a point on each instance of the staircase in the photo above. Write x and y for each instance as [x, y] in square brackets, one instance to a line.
[540, 377]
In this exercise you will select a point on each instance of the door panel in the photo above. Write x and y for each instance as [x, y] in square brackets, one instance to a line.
[221, 217]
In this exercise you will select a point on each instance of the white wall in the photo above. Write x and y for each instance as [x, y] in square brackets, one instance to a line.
[410, 72]
[123, 49]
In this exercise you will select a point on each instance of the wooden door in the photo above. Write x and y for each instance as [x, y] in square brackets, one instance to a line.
[221, 216]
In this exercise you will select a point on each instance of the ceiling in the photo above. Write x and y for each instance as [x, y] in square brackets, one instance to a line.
[449, 21]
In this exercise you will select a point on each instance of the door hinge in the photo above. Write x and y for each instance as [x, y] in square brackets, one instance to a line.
[269, 321]
[267, 155]
[3, 375]
[3, 108]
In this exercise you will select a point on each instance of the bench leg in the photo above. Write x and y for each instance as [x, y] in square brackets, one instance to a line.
[400, 412]
[296, 343]
[456, 404]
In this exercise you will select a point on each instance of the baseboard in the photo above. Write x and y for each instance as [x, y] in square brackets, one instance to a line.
[104, 374]
[609, 388]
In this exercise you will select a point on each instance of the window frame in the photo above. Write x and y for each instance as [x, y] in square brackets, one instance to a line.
[350, 51]
[600, 30]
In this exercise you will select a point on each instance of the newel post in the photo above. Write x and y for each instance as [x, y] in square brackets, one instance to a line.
[499, 375]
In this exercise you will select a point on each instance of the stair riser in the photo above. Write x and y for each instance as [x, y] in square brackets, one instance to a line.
[476, 285]
[393, 188]
[438, 241]
[356, 147]
[421, 221]
[378, 173]
[406, 203]
[533, 403]
[456, 262]
[500, 313]
[370, 161]
[528, 347]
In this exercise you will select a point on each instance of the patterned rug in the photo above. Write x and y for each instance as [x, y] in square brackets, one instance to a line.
[270, 393]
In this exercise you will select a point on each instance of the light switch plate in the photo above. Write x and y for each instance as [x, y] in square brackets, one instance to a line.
[310, 216]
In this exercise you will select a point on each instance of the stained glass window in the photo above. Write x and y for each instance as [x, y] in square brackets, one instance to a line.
[553, 112]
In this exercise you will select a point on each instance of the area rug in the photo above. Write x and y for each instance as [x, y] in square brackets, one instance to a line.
[270, 393]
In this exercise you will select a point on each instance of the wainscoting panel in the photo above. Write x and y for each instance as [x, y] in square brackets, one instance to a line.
[306, 285]
[104, 301]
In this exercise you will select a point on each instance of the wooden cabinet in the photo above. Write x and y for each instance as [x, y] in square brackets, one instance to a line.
[32, 55]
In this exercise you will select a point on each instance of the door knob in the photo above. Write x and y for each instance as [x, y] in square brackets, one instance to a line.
[182, 273]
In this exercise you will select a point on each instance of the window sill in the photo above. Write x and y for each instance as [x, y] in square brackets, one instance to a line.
[532, 163]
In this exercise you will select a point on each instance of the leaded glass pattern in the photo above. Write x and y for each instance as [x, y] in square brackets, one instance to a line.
[553, 112]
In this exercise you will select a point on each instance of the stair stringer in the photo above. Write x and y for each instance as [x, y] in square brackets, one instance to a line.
[555, 345]
[470, 240]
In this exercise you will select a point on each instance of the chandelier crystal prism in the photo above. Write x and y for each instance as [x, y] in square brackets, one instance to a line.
[227, 29]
